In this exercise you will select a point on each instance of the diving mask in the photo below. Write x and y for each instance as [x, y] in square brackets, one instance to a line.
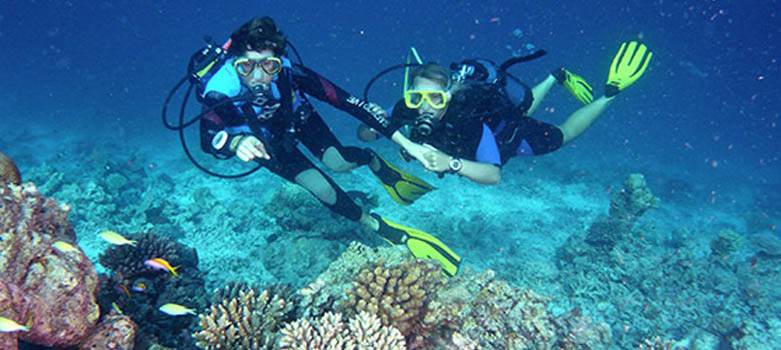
[437, 99]
[271, 65]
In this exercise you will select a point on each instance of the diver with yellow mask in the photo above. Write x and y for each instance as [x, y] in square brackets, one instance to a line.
[474, 117]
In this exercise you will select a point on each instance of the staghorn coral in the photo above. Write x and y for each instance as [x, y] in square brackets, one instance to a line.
[399, 295]
[364, 331]
[246, 322]
[9, 173]
[127, 261]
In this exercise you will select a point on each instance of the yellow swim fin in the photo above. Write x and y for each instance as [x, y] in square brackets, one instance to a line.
[575, 84]
[420, 244]
[404, 188]
[628, 65]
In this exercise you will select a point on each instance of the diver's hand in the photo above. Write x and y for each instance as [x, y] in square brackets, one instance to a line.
[250, 147]
[435, 160]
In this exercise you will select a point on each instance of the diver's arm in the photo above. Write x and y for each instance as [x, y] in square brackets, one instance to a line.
[480, 172]
[322, 89]
[226, 112]
[582, 119]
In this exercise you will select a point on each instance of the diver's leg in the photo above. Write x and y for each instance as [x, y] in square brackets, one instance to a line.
[319, 139]
[582, 119]
[539, 91]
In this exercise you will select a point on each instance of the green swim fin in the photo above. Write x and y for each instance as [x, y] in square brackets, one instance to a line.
[420, 244]
[575, 84]
[402, 187]
[628, 65]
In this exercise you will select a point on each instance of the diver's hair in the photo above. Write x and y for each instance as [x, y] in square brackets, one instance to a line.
[258, 34]
[432, 71]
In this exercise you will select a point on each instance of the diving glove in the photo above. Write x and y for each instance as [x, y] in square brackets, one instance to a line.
[420, 244]
[575, 84]
[628, 65]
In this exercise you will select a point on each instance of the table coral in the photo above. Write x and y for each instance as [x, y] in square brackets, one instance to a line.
[246, 322]
[399, 295]
[329, 332]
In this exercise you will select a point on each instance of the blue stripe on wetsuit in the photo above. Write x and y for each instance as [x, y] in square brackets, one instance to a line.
[487, 150]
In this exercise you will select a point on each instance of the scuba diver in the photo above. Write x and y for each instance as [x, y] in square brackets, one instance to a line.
[475, 118]
[257, 108]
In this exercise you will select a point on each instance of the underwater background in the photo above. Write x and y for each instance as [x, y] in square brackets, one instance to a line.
[83, 85]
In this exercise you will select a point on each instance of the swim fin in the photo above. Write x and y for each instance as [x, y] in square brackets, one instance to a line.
[402, 187]
[628, 65]
[575, 84]
[420, 244]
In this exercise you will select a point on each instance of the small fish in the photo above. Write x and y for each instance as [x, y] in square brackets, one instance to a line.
[161, 264]
[115, 238]
[176, 310]
[116, 308]
[8, 325]
[123, 289]
[139, 287]
[64, 247]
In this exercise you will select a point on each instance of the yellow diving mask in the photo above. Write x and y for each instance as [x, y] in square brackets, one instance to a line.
[271, 65]
[437, 99]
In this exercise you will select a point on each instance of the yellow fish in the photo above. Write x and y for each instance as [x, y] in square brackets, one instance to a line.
[64, 247]
[7, 326]
[115, 238]
[161, 264]
[176, 310]
[116, 308]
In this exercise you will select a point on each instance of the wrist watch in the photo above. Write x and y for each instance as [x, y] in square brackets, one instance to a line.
[455, 165]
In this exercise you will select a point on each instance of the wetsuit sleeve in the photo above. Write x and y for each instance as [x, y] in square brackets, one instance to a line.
[322, 89]
[217, 115]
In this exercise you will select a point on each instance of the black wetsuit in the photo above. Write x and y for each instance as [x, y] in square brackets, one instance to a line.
[293, 121]
[479, 116]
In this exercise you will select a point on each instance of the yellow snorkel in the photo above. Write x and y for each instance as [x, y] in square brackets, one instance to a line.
[413, 53]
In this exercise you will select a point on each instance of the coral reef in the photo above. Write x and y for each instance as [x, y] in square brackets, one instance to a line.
[670, 290]
[52, 291]
[128, 274]
[127, 261]
[399, 295]
[364, 331]
[626, 207]
[9, 173]
[726, 243]
[113, 332]
[56, 289]
[248, 321]
[658, 344]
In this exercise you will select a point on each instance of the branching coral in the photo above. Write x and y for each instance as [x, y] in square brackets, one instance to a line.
[246, 322]
[399, 295]
[329, 332]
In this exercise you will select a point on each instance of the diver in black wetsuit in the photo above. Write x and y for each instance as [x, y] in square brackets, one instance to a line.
[472, 128]
[268, 128]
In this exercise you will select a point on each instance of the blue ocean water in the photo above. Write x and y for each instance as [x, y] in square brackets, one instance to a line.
[83, 81]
